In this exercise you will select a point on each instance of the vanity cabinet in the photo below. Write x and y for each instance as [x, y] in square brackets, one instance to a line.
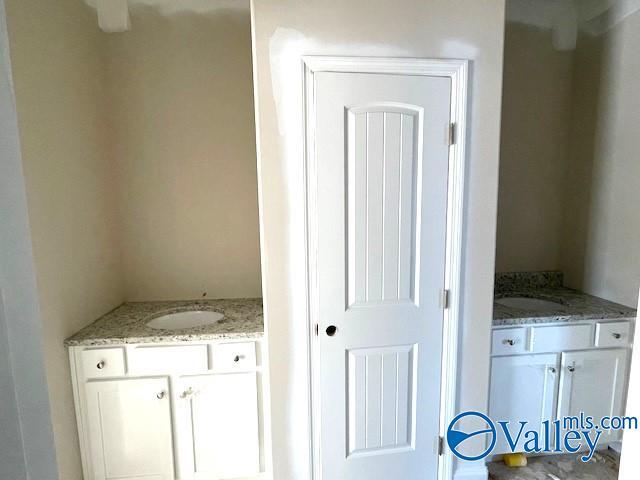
[220, 413]
[594, 382]
[550, 371]
[165, 412]
[130, 428]
[523, 388]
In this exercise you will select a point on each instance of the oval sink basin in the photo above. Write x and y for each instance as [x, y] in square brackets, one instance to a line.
[187, 319]
[525, 303]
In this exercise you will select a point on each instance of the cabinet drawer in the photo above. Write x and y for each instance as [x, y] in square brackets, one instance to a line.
[509, 341]
[613, 334]
[234, 356]
[168, 359]
[103, 362]
[559, 338]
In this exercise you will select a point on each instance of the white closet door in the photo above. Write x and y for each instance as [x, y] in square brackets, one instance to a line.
[382, 169]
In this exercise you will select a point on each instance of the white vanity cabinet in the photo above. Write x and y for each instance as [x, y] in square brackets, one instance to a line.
[170, 411]
[130, 428]
[549, 371]
[523, 388]
[594, 382]
[220, 413]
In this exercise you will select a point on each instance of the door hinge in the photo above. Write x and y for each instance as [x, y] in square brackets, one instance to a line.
[440, 446]
[452, 134]
[444, 299]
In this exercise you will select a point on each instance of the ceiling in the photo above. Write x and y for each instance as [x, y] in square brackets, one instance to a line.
[171, 7]
[566, 17]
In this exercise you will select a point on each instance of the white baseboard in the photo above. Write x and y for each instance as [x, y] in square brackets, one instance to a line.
[471, 471]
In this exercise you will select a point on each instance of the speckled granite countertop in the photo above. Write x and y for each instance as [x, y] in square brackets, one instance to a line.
[574, 305]
[128, 323]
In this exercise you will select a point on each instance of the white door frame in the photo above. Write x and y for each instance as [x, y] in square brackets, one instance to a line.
[457, 71]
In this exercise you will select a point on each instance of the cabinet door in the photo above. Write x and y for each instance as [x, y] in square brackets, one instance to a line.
[593, 382]
[523, 388]
[130, 429]
[222, 412]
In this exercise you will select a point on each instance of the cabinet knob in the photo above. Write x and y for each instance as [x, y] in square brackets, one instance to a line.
[552, 369]
[509, 341]
[161, 395]
[188, 393]
[571, 368]
[617, 336]
[100, 365]
[236, 358]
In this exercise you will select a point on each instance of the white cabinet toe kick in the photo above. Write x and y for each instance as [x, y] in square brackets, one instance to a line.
[550, 371]
[189, 411]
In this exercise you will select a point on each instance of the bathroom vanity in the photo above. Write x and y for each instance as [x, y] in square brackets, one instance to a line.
[160, 403]
[556, 352]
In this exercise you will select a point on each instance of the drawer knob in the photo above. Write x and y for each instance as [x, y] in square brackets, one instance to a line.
[509, 341]
[237, 358]
[571, 368]
[617, 336]
[552, 369]
[160, 395]
[100, 365]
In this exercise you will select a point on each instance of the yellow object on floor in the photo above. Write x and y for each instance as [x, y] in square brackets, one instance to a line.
[515, 460]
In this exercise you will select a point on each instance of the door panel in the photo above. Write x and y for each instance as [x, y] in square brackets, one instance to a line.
[523, 388]
[381, 385]
[130, 429]
[382, 200]
[382, 170]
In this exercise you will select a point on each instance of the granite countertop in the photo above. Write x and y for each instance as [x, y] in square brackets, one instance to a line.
[574, 306]
[128, 323]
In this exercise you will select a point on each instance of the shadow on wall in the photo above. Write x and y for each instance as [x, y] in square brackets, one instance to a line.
[602, 225]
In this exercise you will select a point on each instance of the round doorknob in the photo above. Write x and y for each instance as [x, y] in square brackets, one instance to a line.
[331, 330]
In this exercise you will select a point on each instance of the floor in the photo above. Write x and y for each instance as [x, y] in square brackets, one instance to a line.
[603, 466]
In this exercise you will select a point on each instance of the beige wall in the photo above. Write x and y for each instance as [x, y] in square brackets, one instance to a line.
[180, 91]
[59, 84]
[602, 220]
[287, 29]
[534, 150]
[139, 158]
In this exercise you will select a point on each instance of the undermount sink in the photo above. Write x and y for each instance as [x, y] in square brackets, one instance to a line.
[526, 303]
[186, 319]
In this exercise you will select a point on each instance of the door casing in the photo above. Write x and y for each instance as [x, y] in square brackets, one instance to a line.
[457, 72]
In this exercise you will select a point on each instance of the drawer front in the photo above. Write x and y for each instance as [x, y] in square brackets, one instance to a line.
[168, 359]
[234, 356]
[509, 341]
[613, 334]
[103, 362]
[560, 338]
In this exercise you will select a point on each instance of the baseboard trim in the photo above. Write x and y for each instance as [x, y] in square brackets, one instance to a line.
[471, 471]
